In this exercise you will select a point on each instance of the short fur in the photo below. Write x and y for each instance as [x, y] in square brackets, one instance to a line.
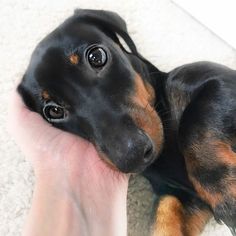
[177, 128]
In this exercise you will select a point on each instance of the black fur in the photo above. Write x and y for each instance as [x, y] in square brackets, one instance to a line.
[196, 104]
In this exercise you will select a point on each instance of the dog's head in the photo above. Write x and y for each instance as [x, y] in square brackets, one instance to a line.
[83, 80]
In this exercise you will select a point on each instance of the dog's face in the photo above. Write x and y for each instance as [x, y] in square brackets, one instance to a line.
[82, 80]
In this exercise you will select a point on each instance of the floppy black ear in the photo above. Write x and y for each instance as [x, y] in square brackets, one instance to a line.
[107, 20]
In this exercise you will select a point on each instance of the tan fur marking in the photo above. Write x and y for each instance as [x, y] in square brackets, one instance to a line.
[212, 198]
[214, 152]
[225, 153]
[228, 157]
[144, 114]
[169, 217]
[74, 59]
[193, 163]
[144, 93]
[195, 223]
[45, 95]
[173, 220]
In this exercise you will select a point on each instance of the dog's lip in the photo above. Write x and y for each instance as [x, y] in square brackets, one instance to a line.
[140, 168]
[108, 162]
[136, 170]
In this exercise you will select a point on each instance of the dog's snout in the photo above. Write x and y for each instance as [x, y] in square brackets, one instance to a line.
[148, 150]
[139, 152]
[147, 147]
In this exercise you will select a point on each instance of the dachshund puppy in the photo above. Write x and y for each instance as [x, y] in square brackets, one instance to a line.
[177, 128]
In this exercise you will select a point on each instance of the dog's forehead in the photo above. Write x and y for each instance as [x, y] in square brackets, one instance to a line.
[57, 69]
[65, 40]
[73, 35]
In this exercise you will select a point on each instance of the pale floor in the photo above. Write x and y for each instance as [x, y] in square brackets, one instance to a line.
[163, 33]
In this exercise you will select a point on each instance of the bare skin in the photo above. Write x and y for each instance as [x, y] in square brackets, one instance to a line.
[75, 192]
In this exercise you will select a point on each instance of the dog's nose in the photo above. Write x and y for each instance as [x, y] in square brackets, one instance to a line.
[139, 153]
[145, 146]
[148, 150]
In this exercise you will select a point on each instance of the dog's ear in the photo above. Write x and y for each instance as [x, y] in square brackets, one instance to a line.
[108, 21]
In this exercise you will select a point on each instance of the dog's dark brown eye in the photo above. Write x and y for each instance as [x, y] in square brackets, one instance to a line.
[97, 57]
[54, 112]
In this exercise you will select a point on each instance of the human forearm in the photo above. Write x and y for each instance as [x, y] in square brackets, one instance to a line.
[76, 193]
[52, 213]
[107, 217]
[55, 211]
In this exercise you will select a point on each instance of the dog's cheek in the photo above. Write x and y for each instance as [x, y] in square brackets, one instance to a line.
[148, 120]
[143, 113]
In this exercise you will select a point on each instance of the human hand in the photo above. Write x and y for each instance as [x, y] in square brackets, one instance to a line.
[67, 165]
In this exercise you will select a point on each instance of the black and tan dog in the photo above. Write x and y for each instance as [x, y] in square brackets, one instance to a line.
[178, 128]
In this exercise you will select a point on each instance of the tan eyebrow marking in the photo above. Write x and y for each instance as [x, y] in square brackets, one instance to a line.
[45, 95]
[74, 59]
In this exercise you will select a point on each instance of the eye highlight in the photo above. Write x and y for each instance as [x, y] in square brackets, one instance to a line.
[97, 57]
[54, 112]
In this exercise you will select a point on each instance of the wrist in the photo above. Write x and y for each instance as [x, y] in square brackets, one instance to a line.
[88, 210]
[53, 212]
[107, 216]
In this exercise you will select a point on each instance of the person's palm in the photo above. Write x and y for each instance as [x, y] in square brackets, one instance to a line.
[71, 160]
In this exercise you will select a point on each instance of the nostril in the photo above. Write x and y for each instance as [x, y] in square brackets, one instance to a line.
[148, 153]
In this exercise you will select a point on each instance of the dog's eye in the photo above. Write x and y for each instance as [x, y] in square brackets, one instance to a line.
[54, 112]
[97, 57]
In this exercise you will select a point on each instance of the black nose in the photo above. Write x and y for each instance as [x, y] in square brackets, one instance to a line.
[147, 147]
[148, 151]
[139, 151]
